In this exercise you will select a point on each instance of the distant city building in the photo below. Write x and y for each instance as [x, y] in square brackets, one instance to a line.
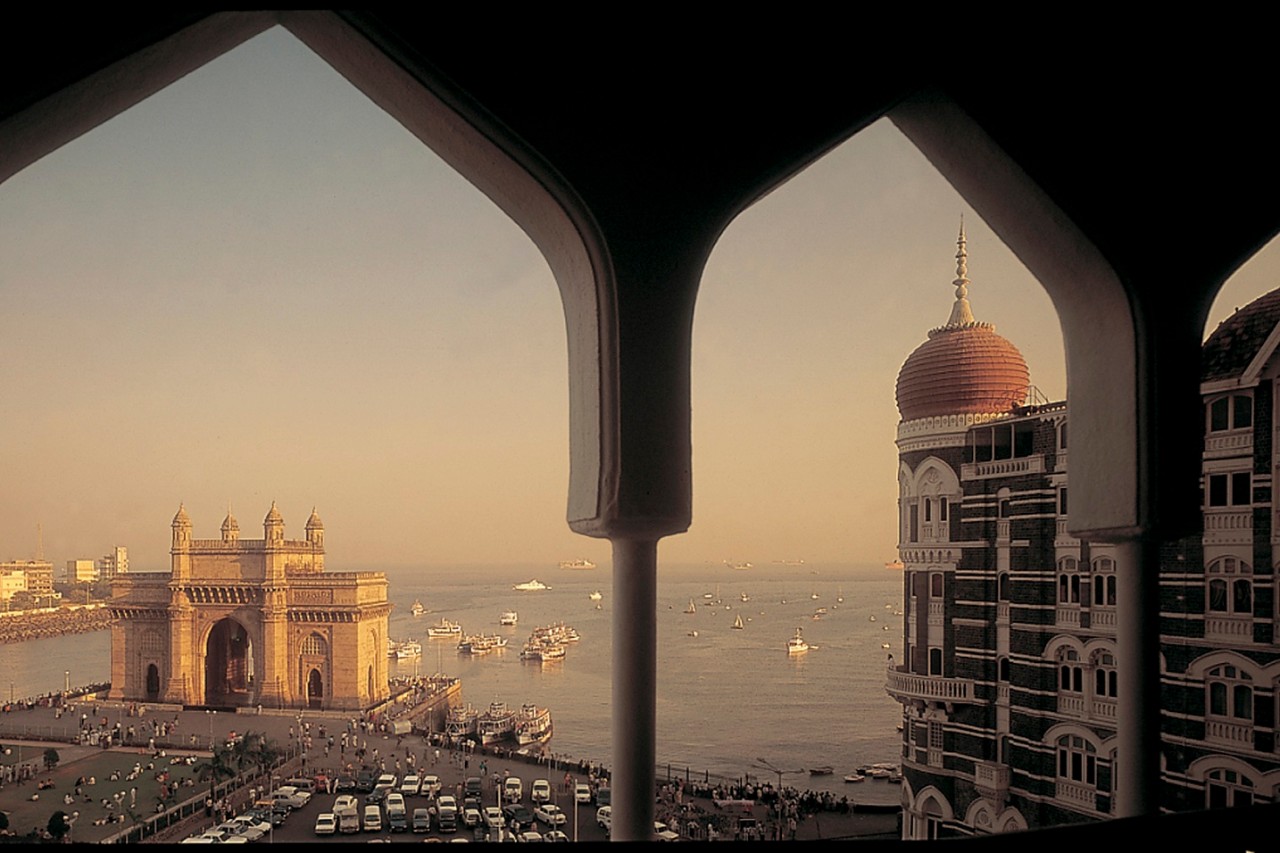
[115, 563]
[81, 571]
[1009, 680]
[239, 622]
[11, 580]
[38, 574]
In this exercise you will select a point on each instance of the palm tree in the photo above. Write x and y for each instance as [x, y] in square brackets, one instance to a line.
[256, 751]
[219, 766]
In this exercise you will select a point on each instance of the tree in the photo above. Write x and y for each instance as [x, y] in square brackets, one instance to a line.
[59, 825]
[255, 750]
[51, 758]
[221, 765]
[4, 822]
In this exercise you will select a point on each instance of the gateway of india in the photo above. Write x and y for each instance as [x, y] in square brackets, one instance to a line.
[248, 622]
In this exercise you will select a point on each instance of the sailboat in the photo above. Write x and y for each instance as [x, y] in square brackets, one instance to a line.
[737, 622]
[692, 608]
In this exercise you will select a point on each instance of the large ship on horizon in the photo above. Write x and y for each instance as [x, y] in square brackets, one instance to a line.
[531, 586]
[580, 563]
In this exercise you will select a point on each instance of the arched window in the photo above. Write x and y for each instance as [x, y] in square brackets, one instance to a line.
[1230, 693]
[935, 661]
[1104, 582]
[1230, 587]
[1104, 675]
[935, 586]
[1003, 583]
[1224, 789]
[315, 645]
[1002, 669]
[1068, 581]
[1227, 413]
[1070, 672]
[1077, 760]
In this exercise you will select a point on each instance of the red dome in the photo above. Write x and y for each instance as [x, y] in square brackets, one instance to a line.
[965, 369]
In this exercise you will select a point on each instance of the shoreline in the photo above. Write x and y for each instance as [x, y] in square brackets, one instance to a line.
[54, 622]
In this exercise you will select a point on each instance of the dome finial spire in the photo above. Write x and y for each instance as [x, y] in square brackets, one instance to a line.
[961, 313]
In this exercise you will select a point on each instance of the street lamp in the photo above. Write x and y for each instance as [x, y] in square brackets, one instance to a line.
[71, 826]
[66, 681]
[764, 764]
[210, 714]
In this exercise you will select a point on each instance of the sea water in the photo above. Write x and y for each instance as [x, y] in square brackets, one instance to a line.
[727, 698]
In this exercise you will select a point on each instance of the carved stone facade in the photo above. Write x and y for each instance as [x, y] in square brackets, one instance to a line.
[238, 623]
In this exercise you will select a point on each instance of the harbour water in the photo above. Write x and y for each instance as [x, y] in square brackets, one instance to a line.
[726, 697]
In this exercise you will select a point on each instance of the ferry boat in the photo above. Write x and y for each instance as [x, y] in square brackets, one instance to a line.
[495, 724]
[796, 645]
[445, 630]
[402, 650]
[533, 725]
[580, 563]
[508, 617]
[477, 644]
[742, 565]
[461, 723]
[531, 586]
[417, 609]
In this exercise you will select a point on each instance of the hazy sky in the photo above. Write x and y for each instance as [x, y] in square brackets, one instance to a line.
[256, 286]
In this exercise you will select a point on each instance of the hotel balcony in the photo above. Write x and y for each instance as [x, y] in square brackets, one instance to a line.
[1002, 468]
[1230, 444]
[1228, 526]
[912, 687]
[991, 780]
[1231, 628]
[1239, 735]
[1077, 794]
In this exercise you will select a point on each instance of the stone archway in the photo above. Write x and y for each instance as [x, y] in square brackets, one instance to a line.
[228, 665]
[315, 689]
[153, 683]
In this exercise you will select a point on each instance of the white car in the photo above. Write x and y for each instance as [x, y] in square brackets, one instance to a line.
[345, 801]
[604, 817]
[387, 779]
[395, 800]
[550, 814]
[430, 786]
[493, 817]
[326, 823]
[410, 785]
[555, 835]
[249, 823]
[471, 817]
[531, 835]
[540, 792]
[513, 790]
[582, 792]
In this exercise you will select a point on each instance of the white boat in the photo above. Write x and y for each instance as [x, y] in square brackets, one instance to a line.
[417, 609]
[896, 565]
[531, 586]
[692, 608]
[533, 725]
[508, 617]
[461, 723]
[497, 723]
[743, 565]
[744, 597]
[855, 777]
[445, 630]
[796, 645]
[596, 596]
[737, 622]
[402, 650]
[580, 563]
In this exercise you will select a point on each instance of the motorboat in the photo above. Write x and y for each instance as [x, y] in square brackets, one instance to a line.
[533, 725]
[417, 609]
[797, 645]
[497, 723]
[580, 563]
[508, 617]
[402, 650]
[445, 630]
[461, 723]
[824, 770]
[596, 595]
[531, 586]
[855, 777]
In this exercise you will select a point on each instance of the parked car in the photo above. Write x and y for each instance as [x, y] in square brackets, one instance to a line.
[512, 790]
[366, 778]
[582, 793]
[290, 797]
[471, 817]
[326, 823]
[343, 801]
[430, 786]
[555, 835]
[493, 817]
[378, 795]
[421, 820]
[395, 800]
[410, 784]
[345, 782]
[397, 820]
[517, 816]
[473, 787]
[531, 835]
[604, 797]
[372, 818]
[447, 813]
[550, 814]
[604, 817]
[540, 792]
